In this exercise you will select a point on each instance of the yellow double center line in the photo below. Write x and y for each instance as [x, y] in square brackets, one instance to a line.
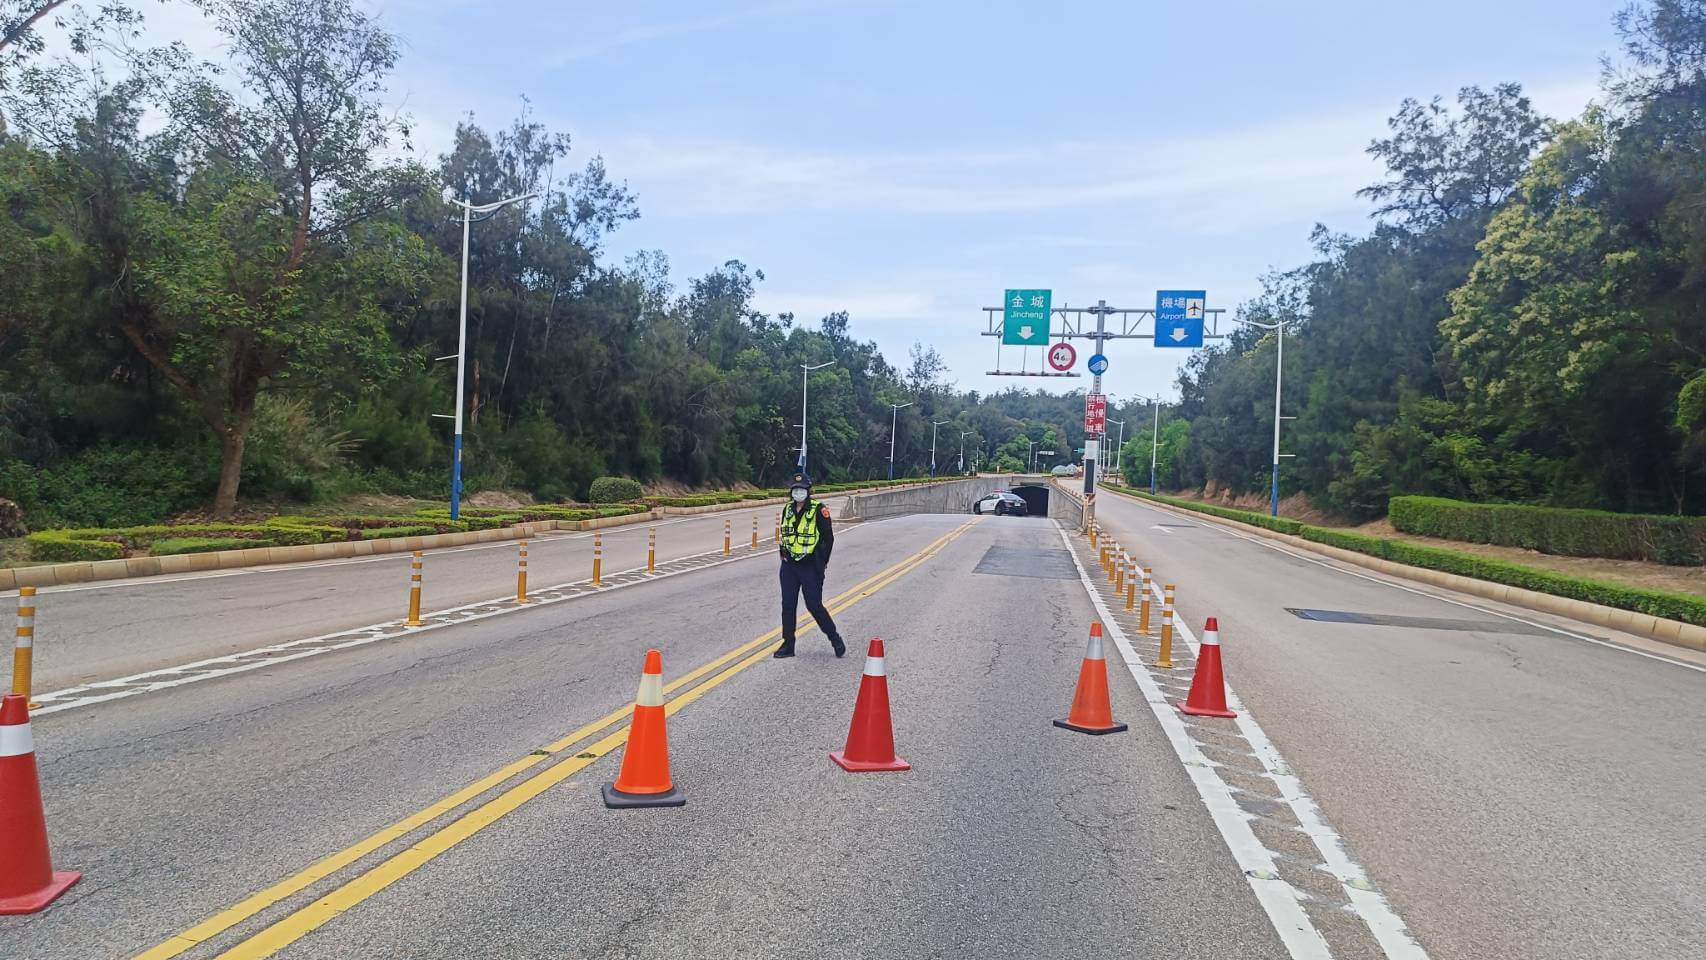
[293, 927]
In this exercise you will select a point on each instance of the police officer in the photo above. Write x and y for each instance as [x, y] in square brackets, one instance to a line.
[807, 540]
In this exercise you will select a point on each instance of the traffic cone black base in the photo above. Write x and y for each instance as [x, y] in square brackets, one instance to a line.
[621, 800]
[1098, 731]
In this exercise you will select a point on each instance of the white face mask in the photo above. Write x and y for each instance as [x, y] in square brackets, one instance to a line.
[798, 494]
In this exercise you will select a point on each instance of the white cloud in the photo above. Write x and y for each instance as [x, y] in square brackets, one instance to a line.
[716, 21]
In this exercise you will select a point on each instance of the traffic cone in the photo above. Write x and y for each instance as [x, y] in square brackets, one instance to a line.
[1091, 711]
[644, 779]
[870, 741]
[1208, 688]
[28, 882]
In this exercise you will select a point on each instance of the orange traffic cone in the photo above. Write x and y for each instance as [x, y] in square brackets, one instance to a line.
[870, 741]
[28, 882]
[644, 779]
[1091, 711]
[1208, 688]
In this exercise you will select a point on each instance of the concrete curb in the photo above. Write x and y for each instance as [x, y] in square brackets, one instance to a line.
[1674, 632]
[60, 574]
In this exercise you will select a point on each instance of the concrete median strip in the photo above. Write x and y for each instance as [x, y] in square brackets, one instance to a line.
[353, 892]
[1288, 905]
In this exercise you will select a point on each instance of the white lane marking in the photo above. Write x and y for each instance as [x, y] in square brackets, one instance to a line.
[1388, 928]
[1337, 568]
[1282, 902]
[165, 678]
[1162, 529]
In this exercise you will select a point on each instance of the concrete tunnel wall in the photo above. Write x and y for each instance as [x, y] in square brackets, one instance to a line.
[956, 497]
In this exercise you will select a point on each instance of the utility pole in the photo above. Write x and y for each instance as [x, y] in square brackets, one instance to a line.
[1092, 444]
[894, 420]
[963, 435]
[1119, 445]
[1279, 371]
[805, 373]
[468, 212]
[933, 425]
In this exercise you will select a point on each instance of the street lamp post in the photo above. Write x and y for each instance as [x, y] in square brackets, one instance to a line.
[1119, 445]
[1154, 438]
[963, 435]
[894, 420]
[805, 372]
[1279, 369]
[933, 425]
[468, 212]
[1033, 456]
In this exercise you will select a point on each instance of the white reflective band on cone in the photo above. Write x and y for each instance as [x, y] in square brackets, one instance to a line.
[651, 690]
[874, 667]
[15, 740]
[1094, 651]
[1210, 638]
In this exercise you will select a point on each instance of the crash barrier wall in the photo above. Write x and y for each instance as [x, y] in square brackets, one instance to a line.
[951, 497]
[1064, 505]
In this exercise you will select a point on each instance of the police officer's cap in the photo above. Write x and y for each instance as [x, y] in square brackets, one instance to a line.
[801, 480]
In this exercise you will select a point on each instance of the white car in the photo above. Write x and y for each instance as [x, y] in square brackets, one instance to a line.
[1002, 505]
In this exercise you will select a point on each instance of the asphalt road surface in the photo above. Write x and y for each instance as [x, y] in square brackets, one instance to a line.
[1516, 791]
[1010, 838]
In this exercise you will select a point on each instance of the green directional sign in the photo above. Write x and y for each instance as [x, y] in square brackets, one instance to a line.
[1024, 319]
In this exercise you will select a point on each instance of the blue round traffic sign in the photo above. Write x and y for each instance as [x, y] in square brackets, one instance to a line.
[1098, 364]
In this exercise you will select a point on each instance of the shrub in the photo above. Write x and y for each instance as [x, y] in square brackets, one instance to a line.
[401, 530]
[172, 546]
[1679, 541]
[1671, 606]
[615, 490]
[111, 485]
[55, 546]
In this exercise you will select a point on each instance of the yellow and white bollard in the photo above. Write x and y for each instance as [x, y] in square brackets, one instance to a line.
[1130, 584]
[1103, 557]
[1120, 563]
[778, 532]
[726, 532]
[1143, 607]
[23, 653]
[597, 559]
[652, 550]
[755, 531]
[1092, 536]
[414, 591]
[1165, 660]
[521, 574]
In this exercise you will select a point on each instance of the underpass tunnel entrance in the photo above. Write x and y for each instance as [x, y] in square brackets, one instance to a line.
[1035, 497]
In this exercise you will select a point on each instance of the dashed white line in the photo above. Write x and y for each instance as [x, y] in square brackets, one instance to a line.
[1282, 901]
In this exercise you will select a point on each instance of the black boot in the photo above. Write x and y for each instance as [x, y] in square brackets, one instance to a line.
[840, 648]
[784, 651]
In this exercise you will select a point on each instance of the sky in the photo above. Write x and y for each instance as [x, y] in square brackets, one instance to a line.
[907, 160]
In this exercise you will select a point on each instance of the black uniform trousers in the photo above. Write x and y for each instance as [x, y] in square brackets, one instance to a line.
[806, 578]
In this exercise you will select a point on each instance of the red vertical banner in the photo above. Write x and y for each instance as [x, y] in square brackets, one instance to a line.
[1095, 414]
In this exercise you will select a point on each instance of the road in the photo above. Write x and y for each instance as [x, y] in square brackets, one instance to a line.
[1010, 838]
[436, 794]
[1516, 791]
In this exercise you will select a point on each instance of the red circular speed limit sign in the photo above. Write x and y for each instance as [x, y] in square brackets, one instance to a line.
[1061, 356]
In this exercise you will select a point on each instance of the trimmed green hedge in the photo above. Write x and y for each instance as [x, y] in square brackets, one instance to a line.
[1679, 541]
[102, 543]
[172, 546]
[1671, 606]
[615, 490]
